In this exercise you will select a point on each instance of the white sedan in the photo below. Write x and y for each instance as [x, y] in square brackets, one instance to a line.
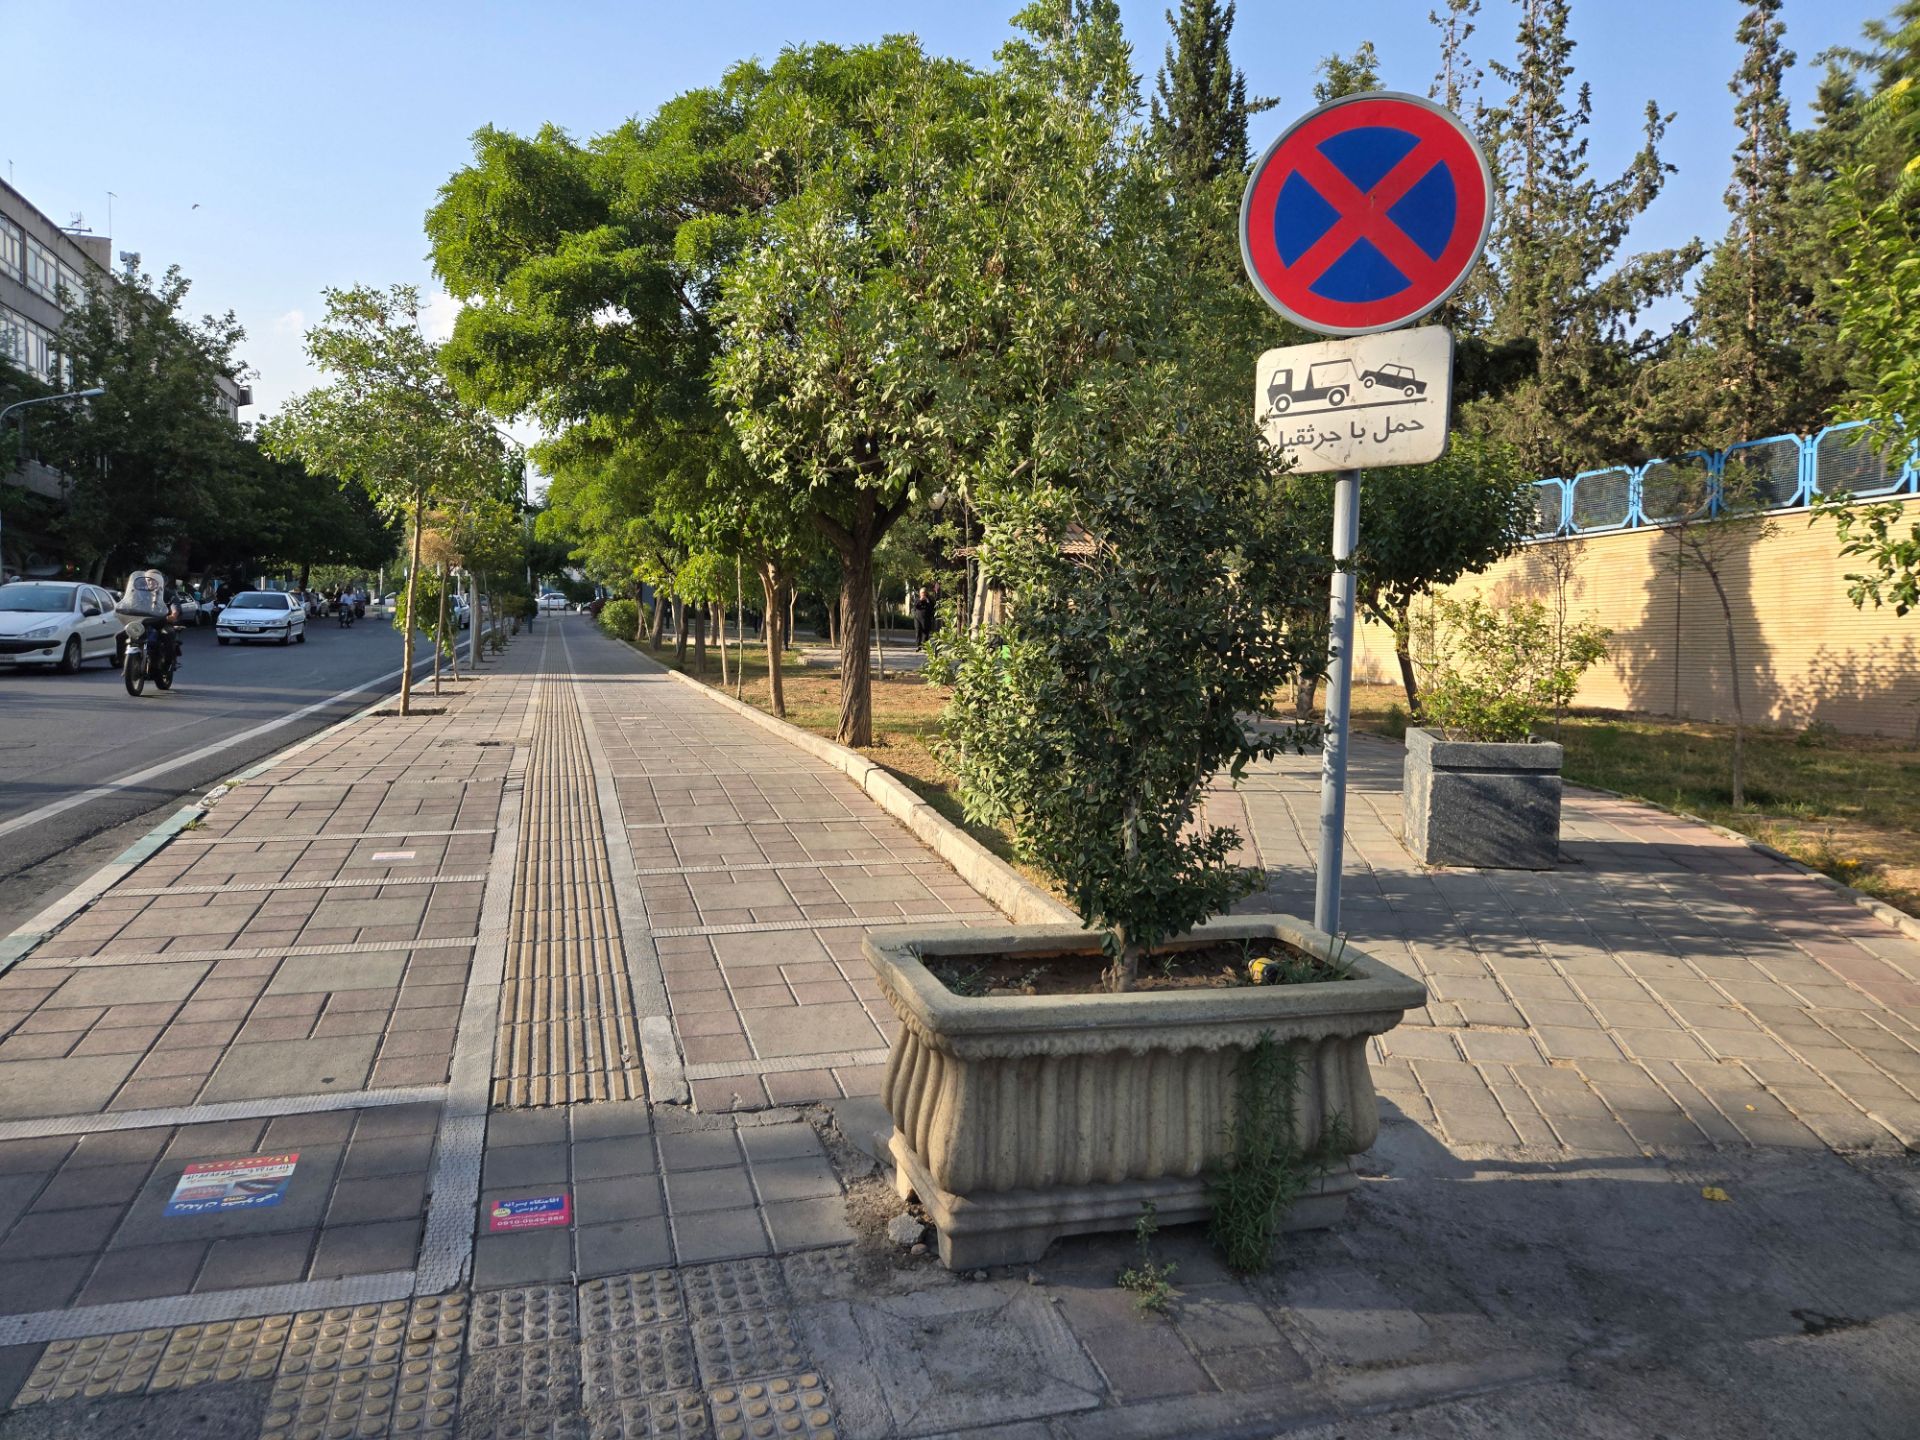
[57, 622]
[262, 615]
[552, 600]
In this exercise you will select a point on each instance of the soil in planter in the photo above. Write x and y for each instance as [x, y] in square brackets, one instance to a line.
[1224, 965]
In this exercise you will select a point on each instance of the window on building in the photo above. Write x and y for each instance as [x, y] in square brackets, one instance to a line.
[13, 338]
[42, 355]
[43, 269]
[73, 290]
[11, 249]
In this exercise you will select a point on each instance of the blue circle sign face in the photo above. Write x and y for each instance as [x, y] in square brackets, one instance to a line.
[1366, 214]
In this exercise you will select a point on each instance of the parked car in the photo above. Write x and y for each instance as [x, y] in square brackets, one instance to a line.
[262, 615]
[552, 600]
[192, 612]
[57, 622]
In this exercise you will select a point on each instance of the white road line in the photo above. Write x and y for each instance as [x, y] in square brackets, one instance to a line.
[154, 772]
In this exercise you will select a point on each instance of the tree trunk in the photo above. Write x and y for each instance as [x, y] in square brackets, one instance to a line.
[700, 641]
[1733, 676]
[879, 634]
[856, 624]
[306, 570]
[679, 632]
[720, 613]
[772, 630]
[1304, 690]
[1403, 652]
[740, 619]
[659, 620]
[406, 630]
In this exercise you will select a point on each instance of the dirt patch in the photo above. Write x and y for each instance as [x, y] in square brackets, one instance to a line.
[1225, 965]
[416, 713]
[875, 1259]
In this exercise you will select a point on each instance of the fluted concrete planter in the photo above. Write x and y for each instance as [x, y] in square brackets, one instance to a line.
[1478, 803]
[1019, 1119]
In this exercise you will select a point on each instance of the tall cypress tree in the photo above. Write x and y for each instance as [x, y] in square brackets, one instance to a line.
[1740, 377]
[1200, 104]
[1559, 285]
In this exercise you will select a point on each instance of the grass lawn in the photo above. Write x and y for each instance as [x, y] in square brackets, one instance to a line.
[906, 718]
[1844, 804]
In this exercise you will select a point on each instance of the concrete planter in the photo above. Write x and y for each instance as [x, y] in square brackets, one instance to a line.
[1019, 1119]
[1495, 806]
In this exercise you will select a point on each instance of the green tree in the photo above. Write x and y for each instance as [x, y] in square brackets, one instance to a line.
[1744, 371]
[155, 468]
[1558, 284]
[1092, 718]
[390, 422]
[1200, 104]
[1344, 75]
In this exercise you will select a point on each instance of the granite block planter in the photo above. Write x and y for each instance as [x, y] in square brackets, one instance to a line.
[1495, 806]
[1019, 1119]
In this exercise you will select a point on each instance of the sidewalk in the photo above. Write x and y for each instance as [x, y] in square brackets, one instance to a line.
[556, 999]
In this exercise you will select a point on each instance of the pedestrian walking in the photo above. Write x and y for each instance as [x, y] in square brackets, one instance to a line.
[923, 617]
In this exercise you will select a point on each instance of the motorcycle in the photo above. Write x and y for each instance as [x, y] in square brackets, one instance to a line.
[343, 612]
[150, 656]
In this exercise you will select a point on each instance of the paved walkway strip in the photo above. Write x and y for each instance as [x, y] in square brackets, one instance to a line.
[1666, 987]
[568, 1029]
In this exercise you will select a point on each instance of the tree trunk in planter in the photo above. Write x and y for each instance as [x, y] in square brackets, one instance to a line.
[1019, 1119]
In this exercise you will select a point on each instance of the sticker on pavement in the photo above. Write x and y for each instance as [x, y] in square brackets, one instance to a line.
[532, 1214]
[381, 857]
[210, 1186]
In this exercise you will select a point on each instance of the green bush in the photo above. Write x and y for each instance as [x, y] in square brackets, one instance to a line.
[1091, 718]
[1490, 674]
[620, 619]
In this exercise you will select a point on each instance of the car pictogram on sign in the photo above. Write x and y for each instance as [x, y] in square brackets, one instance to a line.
[1331, 383]
[1395, 377]
[1366, 214]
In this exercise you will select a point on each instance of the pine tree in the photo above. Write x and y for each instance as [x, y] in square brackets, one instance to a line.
[1200, 107]
[1458, 78]
[1343, 75]
[1741, 375]
[1558, 283]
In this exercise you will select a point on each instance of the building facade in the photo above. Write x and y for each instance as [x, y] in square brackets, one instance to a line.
[44, 272]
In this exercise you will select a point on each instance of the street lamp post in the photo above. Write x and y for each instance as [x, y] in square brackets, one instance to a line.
[6, 410]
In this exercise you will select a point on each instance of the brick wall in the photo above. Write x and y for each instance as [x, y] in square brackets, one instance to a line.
[1805, 652]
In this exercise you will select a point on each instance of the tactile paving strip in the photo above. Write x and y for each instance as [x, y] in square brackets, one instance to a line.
[780, 1405]
[732, 1286]
[372, 1370]
[525, 1316]
[222, 1352]
[633, 1364]
[95, 1367]
[568, 1026]
[623, 1302]
[677, 1415]
[741, 1347]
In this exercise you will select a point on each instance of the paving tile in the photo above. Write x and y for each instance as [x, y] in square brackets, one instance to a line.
[806, 1224]
[525, 1258]
[295, 1067]
[810, 1030]
[609, 1119]
[698, 1149]
[798, 1179]
[31, 1089]
[624, 1245]
[144, 1273]
[733, 1287]
[671, 1415]
[518, 1166]
[614, 1156]
[636, 1363]
[366, 1249]
[691, 1191]
[719, 1235]
[788, 1141]
[631, 1197]
[523, 1316]
[746, 1345]
[538, 1379]
[246, 1260]
[622, 1302]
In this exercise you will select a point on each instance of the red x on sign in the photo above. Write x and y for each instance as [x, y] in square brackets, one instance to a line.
[1366, 214]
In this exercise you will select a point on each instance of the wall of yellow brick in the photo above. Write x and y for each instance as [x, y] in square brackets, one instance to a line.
[1805, 652]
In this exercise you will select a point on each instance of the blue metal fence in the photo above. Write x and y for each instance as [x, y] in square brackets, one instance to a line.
[1782, 472]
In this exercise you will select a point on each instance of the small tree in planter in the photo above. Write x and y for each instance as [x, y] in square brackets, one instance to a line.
[1141, 625]
[1091, 719]
[1478, 791]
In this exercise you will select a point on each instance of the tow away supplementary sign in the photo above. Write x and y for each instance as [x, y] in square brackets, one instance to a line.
[1359, 404]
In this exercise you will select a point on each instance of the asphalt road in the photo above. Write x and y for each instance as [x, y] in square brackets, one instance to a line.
[62, 736]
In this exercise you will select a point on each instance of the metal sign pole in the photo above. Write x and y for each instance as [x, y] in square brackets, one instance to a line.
[1333, 765]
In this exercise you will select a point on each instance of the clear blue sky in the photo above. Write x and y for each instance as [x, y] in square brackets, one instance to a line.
[312, 137]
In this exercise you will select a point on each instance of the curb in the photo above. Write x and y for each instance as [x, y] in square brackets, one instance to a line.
[33, 933]
[1018, 898]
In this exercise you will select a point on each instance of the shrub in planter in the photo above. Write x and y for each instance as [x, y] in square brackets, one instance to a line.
[1479, 788]
[1140, 626]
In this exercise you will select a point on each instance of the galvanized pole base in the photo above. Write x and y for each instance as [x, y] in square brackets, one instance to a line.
[1333, 768]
